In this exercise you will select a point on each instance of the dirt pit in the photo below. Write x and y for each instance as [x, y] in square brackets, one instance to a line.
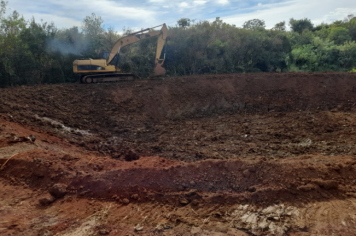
[253, 154]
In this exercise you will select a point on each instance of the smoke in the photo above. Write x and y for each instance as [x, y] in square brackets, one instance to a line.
[68, 41]
[66, 48]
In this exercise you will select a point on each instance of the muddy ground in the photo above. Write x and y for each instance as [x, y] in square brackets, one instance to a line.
[239, 154]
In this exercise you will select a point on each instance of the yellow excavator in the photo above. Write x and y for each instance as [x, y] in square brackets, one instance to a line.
[105, 70]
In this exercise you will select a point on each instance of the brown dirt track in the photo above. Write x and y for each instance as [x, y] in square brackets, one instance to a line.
[239, 154]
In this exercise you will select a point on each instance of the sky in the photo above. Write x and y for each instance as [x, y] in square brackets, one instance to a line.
[137, 14]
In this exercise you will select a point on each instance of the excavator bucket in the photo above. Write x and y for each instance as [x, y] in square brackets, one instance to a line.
[158, 71]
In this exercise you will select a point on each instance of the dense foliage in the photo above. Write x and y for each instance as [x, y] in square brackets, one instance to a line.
[37, 52]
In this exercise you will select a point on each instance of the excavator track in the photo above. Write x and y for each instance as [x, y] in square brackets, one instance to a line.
[107, 78]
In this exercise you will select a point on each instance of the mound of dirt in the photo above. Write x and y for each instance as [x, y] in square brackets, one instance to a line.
[153, 195]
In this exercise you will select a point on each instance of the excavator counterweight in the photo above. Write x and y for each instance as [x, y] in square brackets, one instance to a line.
[105, 70]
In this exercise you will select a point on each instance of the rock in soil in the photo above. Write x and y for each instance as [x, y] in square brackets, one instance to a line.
[131, 156]
[47, 200]
[125, 201]
[58, 190]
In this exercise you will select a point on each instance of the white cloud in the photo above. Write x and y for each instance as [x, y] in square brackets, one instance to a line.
[337, 14]
[142, 14]
[223, 2]
[327, 11]
[199, 2]
[183, 4]
[66, 15]
[60, 22]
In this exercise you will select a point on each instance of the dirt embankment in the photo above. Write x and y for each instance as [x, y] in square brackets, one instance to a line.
[114, 105]
[254, 154]
[197, 117]
[84, 193]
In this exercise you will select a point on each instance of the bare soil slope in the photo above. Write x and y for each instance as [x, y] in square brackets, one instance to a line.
[254, 154]
[198, 117]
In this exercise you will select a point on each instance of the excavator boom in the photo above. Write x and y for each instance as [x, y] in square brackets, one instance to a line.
[102, 70]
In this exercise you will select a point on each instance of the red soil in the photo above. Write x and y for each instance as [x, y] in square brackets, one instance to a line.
[262, 154]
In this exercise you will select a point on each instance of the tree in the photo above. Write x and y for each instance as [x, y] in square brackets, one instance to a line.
[11, 46]
[109, 39]
[34, 56]
[339, 35]
[2, 8]
[184, 22]
[347, 55]
[254, 24]
[300, 25]
[281, 26]
[349, 18]
[93, 31]
[322, 31]
[351, 25]
[218, 22]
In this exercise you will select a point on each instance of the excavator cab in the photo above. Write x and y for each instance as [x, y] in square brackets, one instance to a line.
[104, 55]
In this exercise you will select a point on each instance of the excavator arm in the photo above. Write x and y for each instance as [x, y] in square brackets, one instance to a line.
[138, 36]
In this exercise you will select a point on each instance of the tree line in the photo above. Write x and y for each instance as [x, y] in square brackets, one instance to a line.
[38, 52]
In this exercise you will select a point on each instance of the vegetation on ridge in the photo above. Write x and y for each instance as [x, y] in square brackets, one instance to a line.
[37, 52]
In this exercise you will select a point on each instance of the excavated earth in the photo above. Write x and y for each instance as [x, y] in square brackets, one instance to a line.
[235, 154]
